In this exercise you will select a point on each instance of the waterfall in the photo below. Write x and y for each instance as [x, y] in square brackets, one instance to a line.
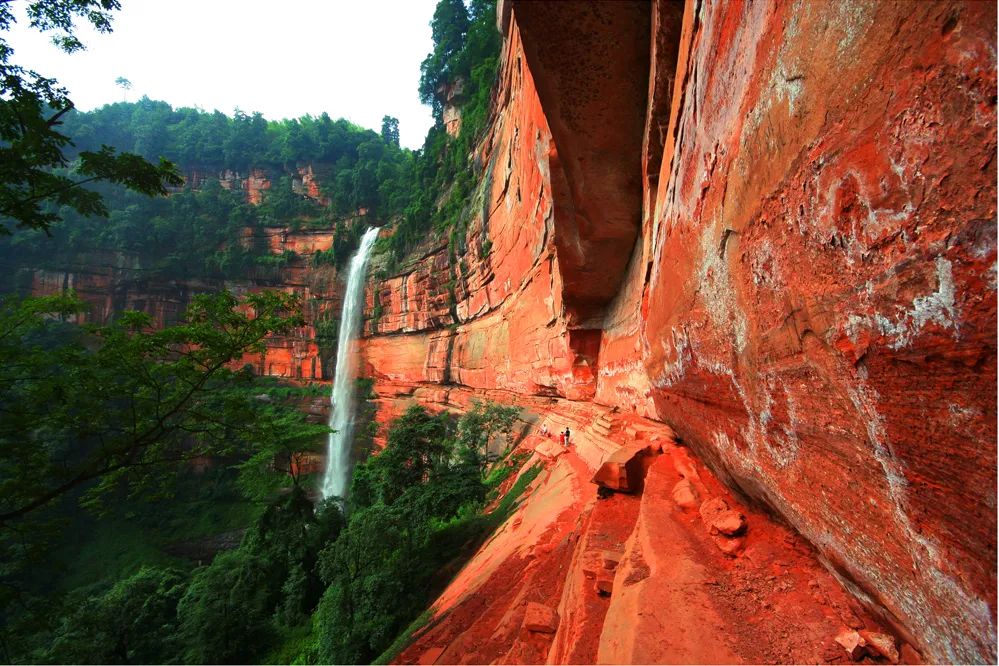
[342, 398]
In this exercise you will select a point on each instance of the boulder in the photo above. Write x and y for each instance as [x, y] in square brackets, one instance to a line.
[624, 470]
[540, 618]
[604, 584]
[728, 545]
[729, 523]
[685, 495]
[881, 644]
[712, 507]
[853, 643]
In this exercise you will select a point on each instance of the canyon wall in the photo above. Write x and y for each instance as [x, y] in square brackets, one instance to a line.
[111, 281]
[771, 226]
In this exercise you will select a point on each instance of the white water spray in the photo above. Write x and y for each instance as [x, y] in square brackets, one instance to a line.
[342, 397]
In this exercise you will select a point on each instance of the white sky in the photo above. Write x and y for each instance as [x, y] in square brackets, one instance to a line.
[356, 59]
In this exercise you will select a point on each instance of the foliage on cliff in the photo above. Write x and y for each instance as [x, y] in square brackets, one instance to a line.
[361, 168]
[465, 56]
[202, 230]
[109, 407]
[414, 508]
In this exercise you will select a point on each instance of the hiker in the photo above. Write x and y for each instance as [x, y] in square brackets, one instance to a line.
[561, 439]
[567, 437]
[544, 430]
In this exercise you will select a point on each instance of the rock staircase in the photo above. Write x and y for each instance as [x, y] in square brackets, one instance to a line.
[603, 426]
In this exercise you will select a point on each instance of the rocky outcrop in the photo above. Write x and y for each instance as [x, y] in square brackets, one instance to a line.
[495, 317]
[786, 253]
[307, 183]
[592, 84]
[453, 96]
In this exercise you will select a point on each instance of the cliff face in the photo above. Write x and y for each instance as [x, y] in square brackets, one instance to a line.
[111, 282]
[770, 226]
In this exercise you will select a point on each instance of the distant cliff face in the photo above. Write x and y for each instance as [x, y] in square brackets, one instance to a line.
[771, 226]
[110, 282]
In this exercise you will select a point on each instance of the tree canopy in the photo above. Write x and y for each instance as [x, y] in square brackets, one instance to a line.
[108, 405]
[32, 109]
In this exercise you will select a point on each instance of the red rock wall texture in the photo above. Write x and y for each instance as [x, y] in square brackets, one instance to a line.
[822, 307]
[504, 327]
[810, 302]
[112, 282]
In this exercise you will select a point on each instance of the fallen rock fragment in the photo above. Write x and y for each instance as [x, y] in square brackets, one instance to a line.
[853, 643]
[604, 584]
[881, 645]
[609, 559]
[729, 523]
[711, 508]
[728, 545]
[540, 618]
[684, 494]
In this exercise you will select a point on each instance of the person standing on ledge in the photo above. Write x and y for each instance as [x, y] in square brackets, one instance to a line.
[566, 435]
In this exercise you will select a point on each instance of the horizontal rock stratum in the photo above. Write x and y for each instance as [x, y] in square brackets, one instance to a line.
[771, 226]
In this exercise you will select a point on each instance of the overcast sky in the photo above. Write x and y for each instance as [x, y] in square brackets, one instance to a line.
[357, 59]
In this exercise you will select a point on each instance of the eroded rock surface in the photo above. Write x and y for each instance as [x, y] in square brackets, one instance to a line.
[808, 299]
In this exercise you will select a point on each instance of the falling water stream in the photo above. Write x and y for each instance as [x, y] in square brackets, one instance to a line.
[342, 397]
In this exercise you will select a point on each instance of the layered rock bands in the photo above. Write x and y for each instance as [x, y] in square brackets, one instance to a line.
[771, 226]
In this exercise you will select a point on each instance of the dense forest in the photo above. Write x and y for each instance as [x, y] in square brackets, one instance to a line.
[152, 503]
[196, 231]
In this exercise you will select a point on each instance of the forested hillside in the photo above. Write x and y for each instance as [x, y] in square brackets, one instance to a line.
[201, 229]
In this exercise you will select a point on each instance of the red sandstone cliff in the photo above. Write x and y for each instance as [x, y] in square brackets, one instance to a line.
[771, 226]
[112, 282]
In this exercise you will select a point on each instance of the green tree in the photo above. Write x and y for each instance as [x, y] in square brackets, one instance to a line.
[125, 86]
[449, 27]
[418, 443]
[228, 613]
[133, 622]
[225, 613]
[114, 405]
[384, 565]
[31, 111]
[390, 130]
[484, 421]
